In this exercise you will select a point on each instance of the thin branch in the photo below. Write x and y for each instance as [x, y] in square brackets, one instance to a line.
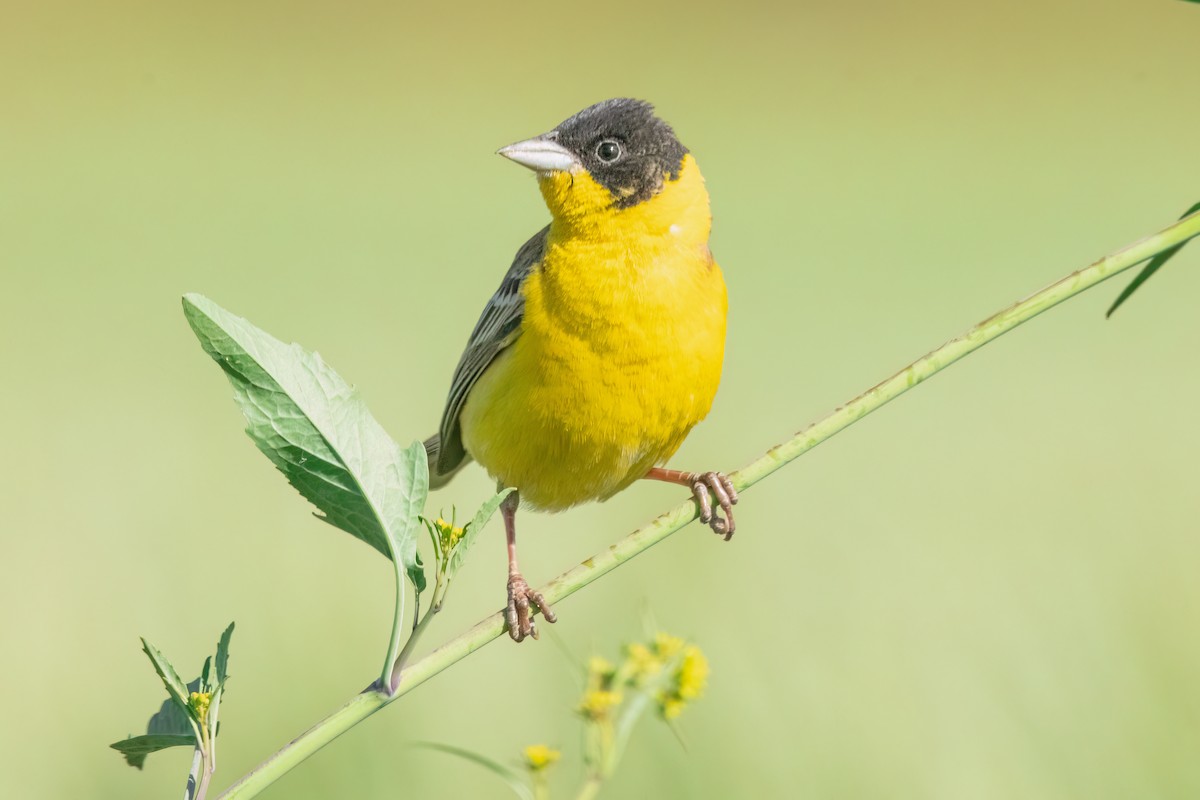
[364, 705]
[419, 628]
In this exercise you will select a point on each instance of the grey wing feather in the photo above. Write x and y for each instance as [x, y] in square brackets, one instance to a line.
[498, 327]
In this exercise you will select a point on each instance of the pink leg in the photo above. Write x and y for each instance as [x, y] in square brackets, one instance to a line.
[520, 596]
[701, 483]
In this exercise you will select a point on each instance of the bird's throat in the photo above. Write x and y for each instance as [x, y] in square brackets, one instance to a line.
[583, 209]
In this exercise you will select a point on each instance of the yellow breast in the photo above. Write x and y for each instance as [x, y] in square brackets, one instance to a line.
[620, 349]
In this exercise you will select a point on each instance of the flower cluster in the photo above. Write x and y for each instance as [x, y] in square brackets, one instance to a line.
[666, 668]
[687, 683]
[602, 693]
[199, 703]
[539, 757]
[447, 533]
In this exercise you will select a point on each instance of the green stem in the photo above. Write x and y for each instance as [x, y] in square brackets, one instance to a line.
[385, 677]
[591, 787]
[206, 777]
[364, 705]
[435, 605]
[208, 760]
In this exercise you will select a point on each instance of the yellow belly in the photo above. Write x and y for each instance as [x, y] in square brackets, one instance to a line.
[619, 356]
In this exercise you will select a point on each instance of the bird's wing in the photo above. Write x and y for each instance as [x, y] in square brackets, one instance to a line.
[498, 327]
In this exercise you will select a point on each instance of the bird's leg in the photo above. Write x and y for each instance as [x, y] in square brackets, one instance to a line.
[702, 484]
[521, 597]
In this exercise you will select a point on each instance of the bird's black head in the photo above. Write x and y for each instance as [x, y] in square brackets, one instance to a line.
[620, 142]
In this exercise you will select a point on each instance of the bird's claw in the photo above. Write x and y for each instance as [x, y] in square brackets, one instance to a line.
[522, 599]
[720, 487]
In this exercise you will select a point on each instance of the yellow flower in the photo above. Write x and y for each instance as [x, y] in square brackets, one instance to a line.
[687, 684]
[600, 668]
[642, 661]
[199, 701]
[667, 645]
[538, 757]
[672, 707]
[597, 702]
[448, 534]
[693, 673]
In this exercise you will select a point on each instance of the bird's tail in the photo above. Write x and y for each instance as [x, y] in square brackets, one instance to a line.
[433, 447]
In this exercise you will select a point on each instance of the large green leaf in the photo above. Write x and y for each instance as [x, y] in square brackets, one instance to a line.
[316, 429]
[414, 472]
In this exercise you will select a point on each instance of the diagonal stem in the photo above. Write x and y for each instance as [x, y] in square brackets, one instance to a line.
[363, 705]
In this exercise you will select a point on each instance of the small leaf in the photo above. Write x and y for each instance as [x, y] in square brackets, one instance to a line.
[171, 726]
[515, 780]
[223, 655]
[1154, 265]
[222, 675]
[458, 556]
[136, 748]
[170, 678]
[316, 430]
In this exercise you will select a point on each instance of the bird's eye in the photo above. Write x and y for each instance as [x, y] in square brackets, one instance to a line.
[608, 150]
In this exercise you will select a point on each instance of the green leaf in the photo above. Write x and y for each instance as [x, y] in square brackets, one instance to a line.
[170, 678]
[223, 655]
[1155, 263]
[222, 659]
[171, 726]
[136, 748]
[414, 474]
[458, 555]
[316, 430]
[515, 780]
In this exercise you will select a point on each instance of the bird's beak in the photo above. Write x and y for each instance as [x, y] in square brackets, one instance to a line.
[541, 154]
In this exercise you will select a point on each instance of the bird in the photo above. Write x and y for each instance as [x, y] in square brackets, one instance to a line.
[603, 346]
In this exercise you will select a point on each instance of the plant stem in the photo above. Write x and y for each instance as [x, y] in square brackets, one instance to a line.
[590, 788]
[208, 760]
[193, 782]
[435, 605]
[364, 705]
[389, 660]
[205, 779]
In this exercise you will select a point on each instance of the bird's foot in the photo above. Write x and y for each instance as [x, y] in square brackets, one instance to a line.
[521, 601]
[705, 486]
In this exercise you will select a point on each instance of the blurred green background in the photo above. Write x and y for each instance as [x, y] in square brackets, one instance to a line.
[987, 590]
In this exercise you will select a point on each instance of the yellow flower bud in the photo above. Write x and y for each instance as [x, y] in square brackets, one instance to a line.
[597, 703]
[693, 673]
[600, 668]
[671, 706]
[538, 757]
[199, 702]
[667, 645]
[642, 661]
